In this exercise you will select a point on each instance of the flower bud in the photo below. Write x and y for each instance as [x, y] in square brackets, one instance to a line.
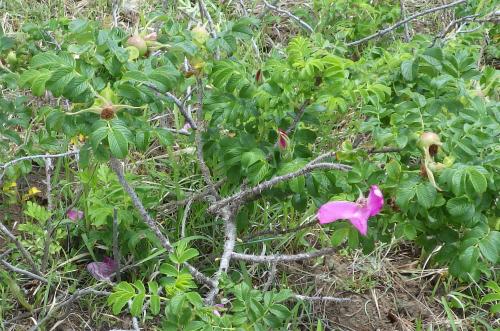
[139, 43]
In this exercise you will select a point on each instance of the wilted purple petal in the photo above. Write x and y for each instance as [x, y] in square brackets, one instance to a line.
[356, 213]
[375, 200]
[75, 214]
[103, 270]
[216, 312]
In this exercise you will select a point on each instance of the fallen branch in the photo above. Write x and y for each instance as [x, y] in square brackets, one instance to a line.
[281, 257]
[118, 169]
[385, 31]
[289, 14]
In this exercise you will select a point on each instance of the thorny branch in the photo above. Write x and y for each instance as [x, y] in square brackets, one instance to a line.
[251, 193]
[229, 242]
[289, 14]
[32, 157]
[177, 101]
[118, 169]
[385, 31]
[22, 271]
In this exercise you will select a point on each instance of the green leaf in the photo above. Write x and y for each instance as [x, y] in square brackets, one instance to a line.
[490, 297]
[477, 180]
[137, 303]
[280, 311]
[339, 235]
[458, 206]
[188, 255]
[409, 70]
[426, 195]
[118, 144]
[489, 249]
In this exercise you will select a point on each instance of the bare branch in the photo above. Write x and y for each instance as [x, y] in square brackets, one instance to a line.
[323, 299]
[118, 169]
[23, 272]
[281, 232]
[32, 157]
[403, 16]
[289, 14]
[24, 252]
[297, 118]
[281, 257]
[256, 191]
[402, 22]
[178, 102]
[229, 242]
[48, 227]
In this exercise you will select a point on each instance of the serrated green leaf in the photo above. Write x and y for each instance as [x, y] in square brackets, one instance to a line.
[409, 70]
[187, 255]
[488, 249]
[477, 180]
[458, 206]
[118, 143]
[426, 195]
[137, 303]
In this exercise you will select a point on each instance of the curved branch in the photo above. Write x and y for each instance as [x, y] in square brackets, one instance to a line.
[257, 190]
[382, 32]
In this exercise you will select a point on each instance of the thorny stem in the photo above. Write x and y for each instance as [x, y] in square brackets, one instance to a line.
[118, 169]
[229, 242]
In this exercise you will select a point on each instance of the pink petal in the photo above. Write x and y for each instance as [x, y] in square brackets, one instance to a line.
[75, 215]
[103, 270]
[375, 200]
[337, 210]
